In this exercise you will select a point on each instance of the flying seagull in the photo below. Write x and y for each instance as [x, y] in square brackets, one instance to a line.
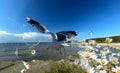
[57, 42]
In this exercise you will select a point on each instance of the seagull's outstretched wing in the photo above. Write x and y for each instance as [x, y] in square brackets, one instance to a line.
[40, 27]
[64, 35]
[36, 24]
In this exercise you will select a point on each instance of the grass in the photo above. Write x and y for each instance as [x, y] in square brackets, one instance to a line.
[64, 67]
[41, 66]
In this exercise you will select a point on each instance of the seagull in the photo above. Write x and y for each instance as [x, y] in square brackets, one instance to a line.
[57, 42]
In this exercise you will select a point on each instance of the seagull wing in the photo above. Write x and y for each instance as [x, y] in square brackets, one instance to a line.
[64, 35]
[40, 27]
[36, 24]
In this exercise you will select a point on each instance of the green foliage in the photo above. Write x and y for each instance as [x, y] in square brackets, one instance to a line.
[68, 41]
[100, 40]
[73, 56]
[116, 39]
[64, 67]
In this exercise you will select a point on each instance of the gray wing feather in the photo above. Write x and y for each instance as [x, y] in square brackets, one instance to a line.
[64, 35]
[40, 27]
[36, 24]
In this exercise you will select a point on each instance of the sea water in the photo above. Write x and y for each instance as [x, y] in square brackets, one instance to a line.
[43, 51]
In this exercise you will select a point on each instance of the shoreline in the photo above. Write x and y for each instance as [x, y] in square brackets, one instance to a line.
[113, 44]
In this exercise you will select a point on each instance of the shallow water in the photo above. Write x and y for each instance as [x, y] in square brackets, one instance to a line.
[43, 52]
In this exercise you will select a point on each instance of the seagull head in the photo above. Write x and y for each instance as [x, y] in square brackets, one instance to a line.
[28, 19]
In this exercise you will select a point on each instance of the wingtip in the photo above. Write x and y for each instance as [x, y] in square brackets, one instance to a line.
[28, 19]
[47, 31]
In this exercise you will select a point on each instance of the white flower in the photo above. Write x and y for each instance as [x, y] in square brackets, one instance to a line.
[80, 52]
[106, 50]
[92, 57]
[104, 61]
[33, 52]
[84, 44]
[86, 54]
[114, 60]
[100, 68]
[108, 40]
[77, 61]
[98, 46]
[103, 54]
[90, 70]
[103, 71]
[113, 54]
[92, 42]
[26, 64]
[84, 63]
[23, 71]
[116, 70]
[89, 48]
[33, 61]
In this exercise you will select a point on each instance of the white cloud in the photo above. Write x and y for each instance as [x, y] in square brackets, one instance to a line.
[27, 35]
[4, 32]
[24, 37]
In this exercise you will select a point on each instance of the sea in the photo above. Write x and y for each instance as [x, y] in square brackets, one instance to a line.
[22, 51]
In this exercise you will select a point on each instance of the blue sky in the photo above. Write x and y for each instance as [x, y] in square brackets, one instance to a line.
[100, 16]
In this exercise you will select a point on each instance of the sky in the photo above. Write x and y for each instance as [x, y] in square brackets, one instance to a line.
[102, 17]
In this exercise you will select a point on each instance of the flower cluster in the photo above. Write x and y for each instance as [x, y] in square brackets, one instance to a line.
[96, 58]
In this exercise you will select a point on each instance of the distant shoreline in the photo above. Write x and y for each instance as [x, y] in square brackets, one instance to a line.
[113, 44]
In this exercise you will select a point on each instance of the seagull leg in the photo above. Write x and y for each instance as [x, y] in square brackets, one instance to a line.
[64, 50]
[60, 51]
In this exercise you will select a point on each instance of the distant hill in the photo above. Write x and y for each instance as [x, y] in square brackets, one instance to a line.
[116, 39]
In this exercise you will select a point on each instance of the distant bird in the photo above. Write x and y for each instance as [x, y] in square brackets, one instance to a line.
[90, 32]
[57, 42]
